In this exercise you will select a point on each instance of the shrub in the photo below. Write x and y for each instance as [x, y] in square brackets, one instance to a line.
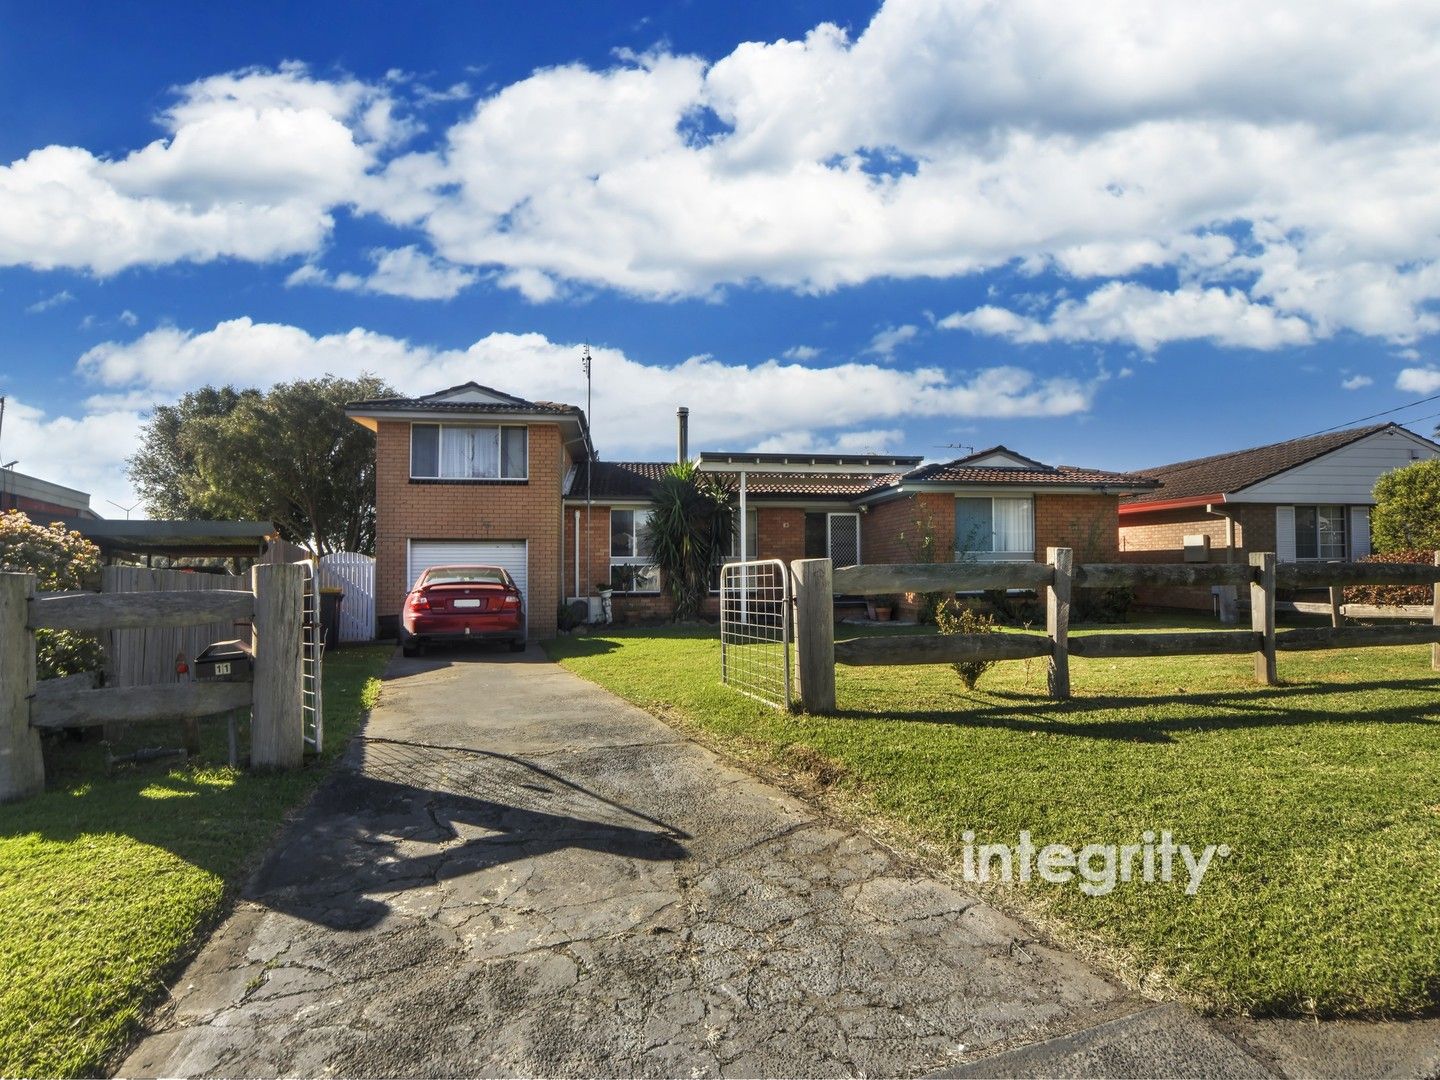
[59, 559]
[954, 618]
[1393, 595]
[1407, 509]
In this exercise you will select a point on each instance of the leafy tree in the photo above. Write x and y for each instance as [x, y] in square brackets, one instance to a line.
[164, 469]
[691, 519]
[59, 559]
[288, 456]
[1407, 508]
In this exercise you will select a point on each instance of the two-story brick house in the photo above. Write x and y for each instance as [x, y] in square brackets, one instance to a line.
[471, 474]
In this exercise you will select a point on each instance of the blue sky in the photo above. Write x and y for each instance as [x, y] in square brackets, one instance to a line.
[1117, 235]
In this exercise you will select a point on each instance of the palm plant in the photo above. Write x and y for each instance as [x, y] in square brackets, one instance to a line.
[691, 519]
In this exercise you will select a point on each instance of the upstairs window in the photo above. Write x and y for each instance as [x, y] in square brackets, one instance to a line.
[469, 452]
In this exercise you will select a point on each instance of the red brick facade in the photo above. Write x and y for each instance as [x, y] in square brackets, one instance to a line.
[509, 510]
[1158, 536]
[1087, 524]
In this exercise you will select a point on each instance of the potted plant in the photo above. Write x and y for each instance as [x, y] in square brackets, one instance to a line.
[884, 608]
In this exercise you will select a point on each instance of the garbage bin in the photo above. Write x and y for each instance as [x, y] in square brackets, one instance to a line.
[330, 615]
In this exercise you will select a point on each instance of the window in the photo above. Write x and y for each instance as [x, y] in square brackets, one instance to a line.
[994, 530]
[468, 452]
[630, 567]
[1320, 532]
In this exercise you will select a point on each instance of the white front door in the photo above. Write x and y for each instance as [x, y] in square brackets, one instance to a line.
[509, 554]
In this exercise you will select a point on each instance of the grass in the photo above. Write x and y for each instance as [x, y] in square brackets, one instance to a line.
[113, 876]
[1325, 789]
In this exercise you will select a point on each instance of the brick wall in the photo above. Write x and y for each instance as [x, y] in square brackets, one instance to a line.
[891, 532]
[529, 511]
[1087, 524]
[1159, 537]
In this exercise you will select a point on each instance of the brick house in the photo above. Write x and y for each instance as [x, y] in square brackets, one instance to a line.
[1304, 499]
[470, 474]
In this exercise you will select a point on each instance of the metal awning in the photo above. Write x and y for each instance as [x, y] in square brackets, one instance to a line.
[175, 539]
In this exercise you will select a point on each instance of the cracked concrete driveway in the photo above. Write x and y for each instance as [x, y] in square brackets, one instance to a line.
[514, 872]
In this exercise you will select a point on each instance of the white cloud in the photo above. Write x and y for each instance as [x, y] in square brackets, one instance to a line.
[85, 452]
[129, 318]
[406, 271]
[801, 352]
[860, 405]
[1418, 380]
[1288, 156]
[64, 296]
[1126, 312]
[886, 341]
[872, 441]
[1357, 382]
[251, 165]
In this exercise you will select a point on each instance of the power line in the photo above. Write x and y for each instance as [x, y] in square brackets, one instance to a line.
[1372, 416]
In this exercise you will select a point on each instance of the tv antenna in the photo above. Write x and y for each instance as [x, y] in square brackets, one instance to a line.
[955, 446]
[127, 509]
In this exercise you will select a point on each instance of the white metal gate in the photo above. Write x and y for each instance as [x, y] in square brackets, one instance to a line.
[354, 575]
[755, 630]
[312, 661]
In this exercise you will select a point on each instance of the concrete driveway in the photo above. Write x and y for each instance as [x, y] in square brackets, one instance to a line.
[515, 872]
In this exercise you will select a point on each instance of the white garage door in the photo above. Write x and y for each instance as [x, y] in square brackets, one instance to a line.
[510, 554]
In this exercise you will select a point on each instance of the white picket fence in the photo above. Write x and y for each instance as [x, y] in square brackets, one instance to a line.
[354, 575]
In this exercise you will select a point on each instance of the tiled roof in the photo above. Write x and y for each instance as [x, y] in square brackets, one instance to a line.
[437, 402]
[636, 480]
[1225, 473]
[957, 472]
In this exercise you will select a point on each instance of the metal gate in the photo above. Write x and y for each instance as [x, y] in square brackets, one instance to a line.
[755, 630]
[312, 661]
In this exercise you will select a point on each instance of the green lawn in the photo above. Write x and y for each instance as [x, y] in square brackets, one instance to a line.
[109, 879]
[1326, 788]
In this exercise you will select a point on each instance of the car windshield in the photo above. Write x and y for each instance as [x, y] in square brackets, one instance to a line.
[467, 575]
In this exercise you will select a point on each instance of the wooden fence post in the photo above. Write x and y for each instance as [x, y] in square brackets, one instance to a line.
[1337, 602]
[1435, 619]
[815, 634]
[22, 766]
[1057, 620]
[1262, 615]
[277, 726]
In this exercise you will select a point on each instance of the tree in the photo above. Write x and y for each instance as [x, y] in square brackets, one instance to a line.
[163, 470]
[59, 559]
[1407, 508]
[691, 518]
[289, 456]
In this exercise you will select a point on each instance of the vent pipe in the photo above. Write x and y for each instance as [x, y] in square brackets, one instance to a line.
[682, 435]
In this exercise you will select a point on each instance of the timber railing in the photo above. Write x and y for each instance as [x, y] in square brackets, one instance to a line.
[272, 606]
[817, 582]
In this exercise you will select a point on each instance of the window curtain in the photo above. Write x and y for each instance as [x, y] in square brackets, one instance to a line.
[455, 452]
[1014, 526]
[470, 453]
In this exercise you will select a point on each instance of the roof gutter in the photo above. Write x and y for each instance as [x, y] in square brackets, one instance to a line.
[1171, 504]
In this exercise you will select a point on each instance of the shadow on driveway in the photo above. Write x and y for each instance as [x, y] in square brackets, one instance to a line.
[420, 814]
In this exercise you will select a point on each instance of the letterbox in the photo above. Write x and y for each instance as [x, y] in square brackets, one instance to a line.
[225, 661]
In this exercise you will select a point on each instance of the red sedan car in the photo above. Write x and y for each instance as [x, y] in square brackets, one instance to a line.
[462, 603]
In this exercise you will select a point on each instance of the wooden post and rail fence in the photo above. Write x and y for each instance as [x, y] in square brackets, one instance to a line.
[817, 583]
[272, 606]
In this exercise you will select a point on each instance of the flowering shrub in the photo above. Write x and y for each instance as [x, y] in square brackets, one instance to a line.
[59, 559]
[955, 618]
[1393, 595]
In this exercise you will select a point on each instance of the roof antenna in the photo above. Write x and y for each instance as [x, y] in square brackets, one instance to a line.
[955, 446]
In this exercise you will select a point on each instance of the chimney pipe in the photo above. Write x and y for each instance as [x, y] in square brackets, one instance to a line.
[682, 435]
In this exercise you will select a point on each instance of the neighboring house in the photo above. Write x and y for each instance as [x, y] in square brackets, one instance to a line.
[1304, 499]
[471, 474]
[38, 498]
